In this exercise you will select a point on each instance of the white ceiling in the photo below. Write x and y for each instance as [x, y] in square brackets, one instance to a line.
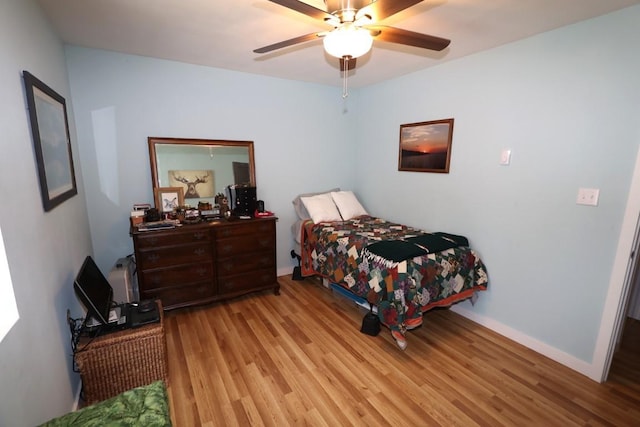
[223, 33]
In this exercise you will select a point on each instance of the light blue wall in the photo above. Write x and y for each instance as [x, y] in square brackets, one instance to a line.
[567, 104]
[301, 134]
[44, 250]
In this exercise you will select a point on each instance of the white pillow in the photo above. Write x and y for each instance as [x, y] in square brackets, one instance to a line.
[348, 204]
[321, 208]
[299, 206]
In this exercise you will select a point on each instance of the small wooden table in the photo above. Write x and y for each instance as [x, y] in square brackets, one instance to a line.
[113, 363]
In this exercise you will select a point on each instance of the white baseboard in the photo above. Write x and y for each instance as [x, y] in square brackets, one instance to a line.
[76, 404]
[552, 353]
[284, 271]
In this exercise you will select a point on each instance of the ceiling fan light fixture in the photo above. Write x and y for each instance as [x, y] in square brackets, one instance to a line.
[348, 40]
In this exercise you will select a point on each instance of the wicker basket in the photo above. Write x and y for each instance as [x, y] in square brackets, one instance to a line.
[120, 361]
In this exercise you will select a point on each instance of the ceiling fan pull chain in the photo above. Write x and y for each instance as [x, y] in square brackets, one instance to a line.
[345, 88]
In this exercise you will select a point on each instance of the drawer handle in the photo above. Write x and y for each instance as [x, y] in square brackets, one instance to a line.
[226, 233]
[201, 272]
[153, 257]
[199, 235]
[156, 280]
[229, 266]
[153, 240]
[227, 248]
[199, 252]
[264, 242]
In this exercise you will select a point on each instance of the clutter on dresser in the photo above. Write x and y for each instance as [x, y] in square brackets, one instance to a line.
[152, 215]
[184, 214]
[137, 218]
[210, 212]
[191, 216]
[158, 225]
[261, 212]
[149, 219]
[138, 213]
[242, 199]
[222, 203]
[141, 207]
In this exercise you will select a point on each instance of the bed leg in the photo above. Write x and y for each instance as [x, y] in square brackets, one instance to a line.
[297, 271]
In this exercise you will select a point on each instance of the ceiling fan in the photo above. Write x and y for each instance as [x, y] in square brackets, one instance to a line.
[355, 26]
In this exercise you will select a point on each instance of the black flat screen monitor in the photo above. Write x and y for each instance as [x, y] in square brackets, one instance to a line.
[94, 291]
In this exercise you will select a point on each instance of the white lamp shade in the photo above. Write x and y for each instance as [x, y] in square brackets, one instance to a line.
[348, 41]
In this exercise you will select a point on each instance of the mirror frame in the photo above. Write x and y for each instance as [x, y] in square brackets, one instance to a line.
[155, 141]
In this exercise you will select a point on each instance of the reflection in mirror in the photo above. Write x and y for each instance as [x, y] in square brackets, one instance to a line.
[202, 168]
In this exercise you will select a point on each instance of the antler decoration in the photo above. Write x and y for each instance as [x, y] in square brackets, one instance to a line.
[191, 185]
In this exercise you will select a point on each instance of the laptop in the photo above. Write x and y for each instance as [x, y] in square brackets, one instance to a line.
[118, 320]
[125, 316]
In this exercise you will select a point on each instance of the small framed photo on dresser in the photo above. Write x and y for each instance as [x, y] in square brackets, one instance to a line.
[168, 198]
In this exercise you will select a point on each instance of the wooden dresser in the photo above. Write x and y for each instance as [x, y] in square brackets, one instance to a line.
[196, 264]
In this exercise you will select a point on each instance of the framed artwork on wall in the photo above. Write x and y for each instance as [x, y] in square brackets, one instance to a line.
[196, 184]
[52, 146]
[168, 198]
[426, 146]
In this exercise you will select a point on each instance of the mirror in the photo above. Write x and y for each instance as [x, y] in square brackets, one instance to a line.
[201, 167]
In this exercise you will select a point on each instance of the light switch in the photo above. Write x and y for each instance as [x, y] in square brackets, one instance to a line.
[588, 196]
[505, 157]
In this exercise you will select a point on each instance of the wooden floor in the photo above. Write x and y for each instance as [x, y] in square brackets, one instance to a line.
[299, 359]
[625, 368]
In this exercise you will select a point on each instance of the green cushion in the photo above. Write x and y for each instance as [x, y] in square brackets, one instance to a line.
[143, 406]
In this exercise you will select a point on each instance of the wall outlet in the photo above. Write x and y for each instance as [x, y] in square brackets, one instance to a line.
[588, 196]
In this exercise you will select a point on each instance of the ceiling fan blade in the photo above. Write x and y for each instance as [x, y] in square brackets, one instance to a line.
[410, 38]
[290, 42]
[350, 64]
[304, 8]
[381, 9]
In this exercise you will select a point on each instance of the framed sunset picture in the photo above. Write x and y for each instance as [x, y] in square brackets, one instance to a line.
[426, 146]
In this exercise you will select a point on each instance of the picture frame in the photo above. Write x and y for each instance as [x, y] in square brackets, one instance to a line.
[52, 145]
[426, 146]
[196, 184]
[168, 198]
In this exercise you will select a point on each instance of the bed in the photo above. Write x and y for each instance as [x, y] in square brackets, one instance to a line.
[402, 270]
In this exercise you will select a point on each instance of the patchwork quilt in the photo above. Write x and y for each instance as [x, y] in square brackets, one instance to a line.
[402, 289]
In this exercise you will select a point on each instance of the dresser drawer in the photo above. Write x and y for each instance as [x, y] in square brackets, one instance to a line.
[177, 255]
[245, 244]
[181, 296]
[206, 262]
[176, 276]
[248, 281]
[242, 263]
[154, 239]
[248, 228]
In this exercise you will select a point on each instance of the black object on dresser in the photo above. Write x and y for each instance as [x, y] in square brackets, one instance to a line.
[201, 263]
